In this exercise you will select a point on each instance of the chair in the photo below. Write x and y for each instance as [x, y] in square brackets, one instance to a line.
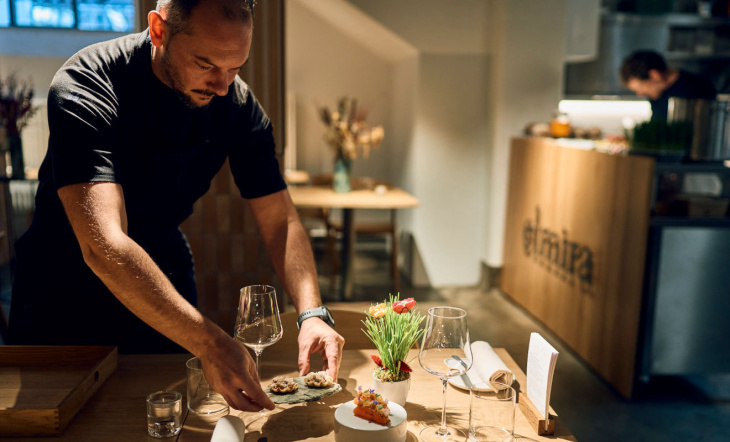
[347, 323]
[334, 229]
[317, 219]
[382, 228]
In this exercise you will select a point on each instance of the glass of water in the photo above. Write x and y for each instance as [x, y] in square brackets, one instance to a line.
[164, 409]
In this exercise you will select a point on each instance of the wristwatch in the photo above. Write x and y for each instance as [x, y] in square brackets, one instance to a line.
[320, 312]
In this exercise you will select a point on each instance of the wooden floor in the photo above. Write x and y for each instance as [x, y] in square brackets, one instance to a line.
[670, 409]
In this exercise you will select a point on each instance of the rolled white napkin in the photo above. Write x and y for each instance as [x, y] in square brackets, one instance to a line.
[228, 429]
[487, 367]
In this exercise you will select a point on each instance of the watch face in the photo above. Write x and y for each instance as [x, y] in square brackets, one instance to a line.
[326, 316]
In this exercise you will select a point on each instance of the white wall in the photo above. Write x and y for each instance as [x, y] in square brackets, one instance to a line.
[446, 159]
[324, 64]
[529, 43]
[522, 43]
[435, 26]
[448, 166]
[483, 69]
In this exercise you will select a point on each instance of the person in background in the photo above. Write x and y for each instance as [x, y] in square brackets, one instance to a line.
[139, 126]
[646, 73]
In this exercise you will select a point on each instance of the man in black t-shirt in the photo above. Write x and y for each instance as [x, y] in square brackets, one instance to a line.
[646, 74]
[139, 126]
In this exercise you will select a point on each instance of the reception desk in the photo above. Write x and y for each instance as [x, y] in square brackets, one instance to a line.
[575, 248]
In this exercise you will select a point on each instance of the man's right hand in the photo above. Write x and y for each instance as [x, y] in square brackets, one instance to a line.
[98, 216]
[231, 371]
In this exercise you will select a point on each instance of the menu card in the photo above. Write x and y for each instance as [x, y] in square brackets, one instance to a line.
[541, 359]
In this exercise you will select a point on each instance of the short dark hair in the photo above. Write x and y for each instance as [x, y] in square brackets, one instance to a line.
[638, 65]
[178, 12]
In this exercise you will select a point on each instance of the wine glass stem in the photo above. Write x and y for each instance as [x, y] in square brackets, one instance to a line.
[258, 366]
[442, 429]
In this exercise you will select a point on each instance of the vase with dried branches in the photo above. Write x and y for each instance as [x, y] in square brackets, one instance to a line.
[16, 109]
[347, 134]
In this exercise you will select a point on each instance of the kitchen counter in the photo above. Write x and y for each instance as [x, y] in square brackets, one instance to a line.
[634, 294]
[575, 246]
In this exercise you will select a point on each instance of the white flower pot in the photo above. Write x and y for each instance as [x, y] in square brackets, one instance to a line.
[393, 391]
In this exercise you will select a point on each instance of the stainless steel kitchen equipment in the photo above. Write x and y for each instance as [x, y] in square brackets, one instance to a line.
[711, 126]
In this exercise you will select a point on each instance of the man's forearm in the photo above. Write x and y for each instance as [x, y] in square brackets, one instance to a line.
[133, 277]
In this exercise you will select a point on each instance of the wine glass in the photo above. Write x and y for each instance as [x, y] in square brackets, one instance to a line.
[446, 338]
[258, 324]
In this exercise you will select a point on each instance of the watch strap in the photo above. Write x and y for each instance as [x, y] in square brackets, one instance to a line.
[319, 312]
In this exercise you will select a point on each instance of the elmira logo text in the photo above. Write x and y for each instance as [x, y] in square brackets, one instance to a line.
[554, 250]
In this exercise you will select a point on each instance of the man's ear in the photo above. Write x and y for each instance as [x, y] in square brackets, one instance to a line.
[655, 75]
[159, 32]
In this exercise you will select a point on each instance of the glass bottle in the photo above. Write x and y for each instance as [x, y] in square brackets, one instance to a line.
[560, 125]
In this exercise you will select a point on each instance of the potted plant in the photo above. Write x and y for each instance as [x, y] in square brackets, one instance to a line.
[394, 328]
[16, 109]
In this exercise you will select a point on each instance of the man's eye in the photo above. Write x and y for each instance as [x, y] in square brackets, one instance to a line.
[202, 67]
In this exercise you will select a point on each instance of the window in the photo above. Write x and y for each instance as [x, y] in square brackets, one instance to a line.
[87, 15]
[4, 13]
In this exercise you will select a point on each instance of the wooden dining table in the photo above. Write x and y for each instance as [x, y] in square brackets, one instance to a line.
[117, 412]
[325, 197]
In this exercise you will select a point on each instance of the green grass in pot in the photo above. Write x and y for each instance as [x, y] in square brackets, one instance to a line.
[662, 136]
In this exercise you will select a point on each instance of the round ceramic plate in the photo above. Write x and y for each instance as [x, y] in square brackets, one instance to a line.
[465, 381]
[303, 394]
[351, 428]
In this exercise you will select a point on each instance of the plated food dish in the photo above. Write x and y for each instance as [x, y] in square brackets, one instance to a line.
[351, 428]
[319, 379]
[301, 393]
[283, 385]
[372, 407]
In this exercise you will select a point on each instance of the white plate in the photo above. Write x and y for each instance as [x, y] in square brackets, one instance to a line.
[460, 382]
[351, 428]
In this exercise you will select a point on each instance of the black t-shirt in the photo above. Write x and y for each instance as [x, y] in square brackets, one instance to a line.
[688, 85]
[112, 120]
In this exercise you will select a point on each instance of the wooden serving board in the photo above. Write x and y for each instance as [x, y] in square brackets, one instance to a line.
[42, 388]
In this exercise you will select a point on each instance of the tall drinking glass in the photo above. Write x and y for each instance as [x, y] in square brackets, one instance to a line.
[446, 337]
[258, 324]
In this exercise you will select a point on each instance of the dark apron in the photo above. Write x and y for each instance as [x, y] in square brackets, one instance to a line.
[57, 299]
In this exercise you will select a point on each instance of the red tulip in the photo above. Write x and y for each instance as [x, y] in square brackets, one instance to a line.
[404, 367]
[377, 360]
[404, 306]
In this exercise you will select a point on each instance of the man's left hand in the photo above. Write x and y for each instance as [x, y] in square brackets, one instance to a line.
[316, 336]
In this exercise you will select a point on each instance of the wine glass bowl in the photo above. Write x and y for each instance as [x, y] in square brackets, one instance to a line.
[258, 324]
[446, 338]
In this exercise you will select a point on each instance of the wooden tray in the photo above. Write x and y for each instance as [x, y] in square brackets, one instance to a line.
[42, 388]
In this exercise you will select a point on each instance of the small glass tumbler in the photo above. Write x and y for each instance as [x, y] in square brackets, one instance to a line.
[164, 409]
[202, 399]
[491, 412]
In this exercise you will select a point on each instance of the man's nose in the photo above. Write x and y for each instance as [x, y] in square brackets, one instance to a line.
[219, 83]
